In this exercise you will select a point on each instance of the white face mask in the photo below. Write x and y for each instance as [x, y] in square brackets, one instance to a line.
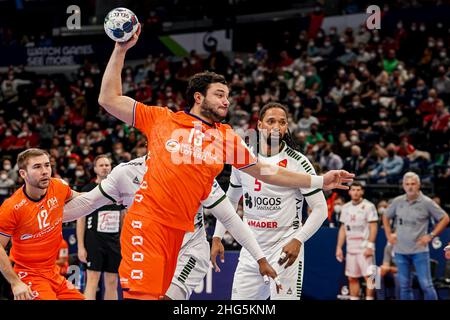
[72, 165]
[3, 176]
[337, 208]
[353, 138]
[382, 210]
[7, 167]
[79, 173]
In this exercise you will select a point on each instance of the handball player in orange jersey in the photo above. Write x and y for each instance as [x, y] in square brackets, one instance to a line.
[32, 219]
[187, 150]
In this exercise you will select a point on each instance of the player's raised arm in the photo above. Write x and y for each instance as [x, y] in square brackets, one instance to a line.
[286, 178]
[110, 97]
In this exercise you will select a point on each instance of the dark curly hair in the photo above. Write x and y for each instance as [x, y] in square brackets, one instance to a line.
[200, 82]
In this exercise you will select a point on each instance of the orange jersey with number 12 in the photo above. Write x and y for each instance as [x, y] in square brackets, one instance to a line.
[35, 226]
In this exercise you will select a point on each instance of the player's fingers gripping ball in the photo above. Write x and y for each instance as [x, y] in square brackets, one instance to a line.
[121, 24]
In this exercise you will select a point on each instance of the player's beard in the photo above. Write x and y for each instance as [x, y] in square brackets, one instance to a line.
[40, 184]
[207, 111]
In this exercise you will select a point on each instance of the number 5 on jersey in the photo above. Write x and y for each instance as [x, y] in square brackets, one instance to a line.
[42, 219]
[257, 185]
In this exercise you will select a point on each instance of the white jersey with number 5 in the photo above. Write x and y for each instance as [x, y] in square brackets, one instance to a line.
[272, 212]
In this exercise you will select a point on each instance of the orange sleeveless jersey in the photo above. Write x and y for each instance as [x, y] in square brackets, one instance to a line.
[185, 155]
[35, 226]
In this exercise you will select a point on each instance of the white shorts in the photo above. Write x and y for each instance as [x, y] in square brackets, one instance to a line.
[248, 284]
[357, 265]
[192, 267]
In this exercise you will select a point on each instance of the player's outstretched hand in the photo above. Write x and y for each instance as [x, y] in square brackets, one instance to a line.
[124, 46]
[335, 179]
[21, 291]
[290, 253]
[267, 271]
[217, 248]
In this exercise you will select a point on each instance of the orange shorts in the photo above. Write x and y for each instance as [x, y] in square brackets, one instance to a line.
[149, 257]
[49, 285]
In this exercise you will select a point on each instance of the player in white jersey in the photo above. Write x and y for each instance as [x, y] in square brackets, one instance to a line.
[273, 214]
[193, 259]
[359, 230]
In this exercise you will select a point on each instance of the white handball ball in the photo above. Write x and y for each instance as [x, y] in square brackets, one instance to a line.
[120, 24]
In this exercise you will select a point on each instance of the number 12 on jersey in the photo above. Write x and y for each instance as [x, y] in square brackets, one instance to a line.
[42, 219]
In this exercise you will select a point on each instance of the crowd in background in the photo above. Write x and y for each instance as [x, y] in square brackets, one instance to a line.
[372, 103]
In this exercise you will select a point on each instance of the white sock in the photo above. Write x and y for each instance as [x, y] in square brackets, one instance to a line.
[369, 298]
[354, 298]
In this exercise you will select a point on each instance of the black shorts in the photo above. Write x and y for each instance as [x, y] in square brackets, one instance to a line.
[103, 252]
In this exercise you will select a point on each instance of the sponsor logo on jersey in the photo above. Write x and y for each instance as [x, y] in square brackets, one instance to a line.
[132, 163]
[262, 203]
[262, 224]
[20, 204]
[26, 236]
[136, 181]
[52, 203]
[172, 145]
[283, 163]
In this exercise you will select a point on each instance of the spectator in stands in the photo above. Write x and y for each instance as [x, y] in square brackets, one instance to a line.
[304, 124]
[389, 169]
[10, 171]
[355, 162]
[6, 185]
[334, 204]
[412, 212]
[314, 136]
[442, 83]
[390, 63]
[329, 160]
[439, 126]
